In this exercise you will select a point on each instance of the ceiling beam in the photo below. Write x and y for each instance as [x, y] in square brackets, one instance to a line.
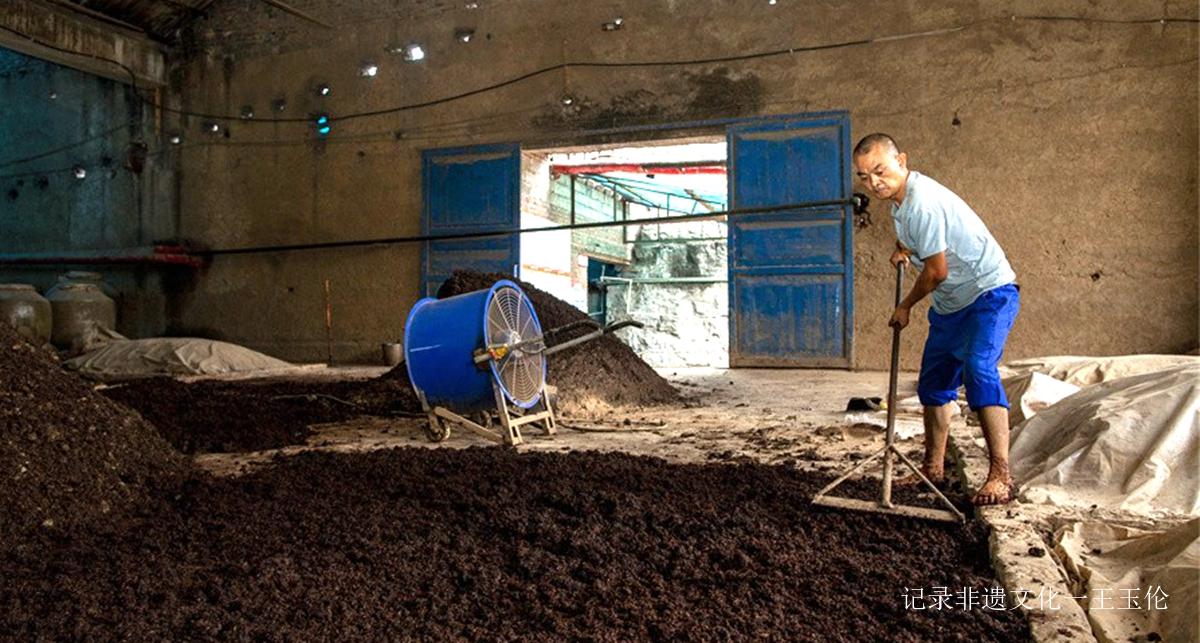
[43, 30]
[92, 13]
[287, 8]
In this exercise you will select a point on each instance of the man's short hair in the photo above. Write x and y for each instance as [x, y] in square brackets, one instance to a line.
[871, 141]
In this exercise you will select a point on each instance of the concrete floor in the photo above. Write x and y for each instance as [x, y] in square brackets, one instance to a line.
[789, 417]
[771, 416]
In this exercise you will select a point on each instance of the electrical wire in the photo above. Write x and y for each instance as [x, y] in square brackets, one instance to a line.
[644, 186]
[132, 81]
[652, 187]
[72, 52]
[104, 134]
[566, 65]
[1115, 21]
[504, 232]
[417, 134]
[668, 63]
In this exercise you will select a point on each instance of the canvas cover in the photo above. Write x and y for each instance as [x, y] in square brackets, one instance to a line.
[1128, 444]
[1135, 582]
[134, 358]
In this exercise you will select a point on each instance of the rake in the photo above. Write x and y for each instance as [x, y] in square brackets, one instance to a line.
[888, 454]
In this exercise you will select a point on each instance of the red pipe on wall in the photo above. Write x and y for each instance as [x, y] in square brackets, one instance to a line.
[634, 168]
[163, 255]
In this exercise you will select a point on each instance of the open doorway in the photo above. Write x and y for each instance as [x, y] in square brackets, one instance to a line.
[672, 277]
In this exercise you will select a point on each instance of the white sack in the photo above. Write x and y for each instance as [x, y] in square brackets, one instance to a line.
[1085, 371]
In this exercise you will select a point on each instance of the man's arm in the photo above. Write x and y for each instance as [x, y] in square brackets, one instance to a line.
[932, 274]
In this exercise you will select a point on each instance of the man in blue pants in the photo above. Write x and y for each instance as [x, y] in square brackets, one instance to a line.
[975, 301]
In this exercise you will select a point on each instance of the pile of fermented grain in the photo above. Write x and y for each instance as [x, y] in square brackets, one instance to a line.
[67, 454]
[605, 370]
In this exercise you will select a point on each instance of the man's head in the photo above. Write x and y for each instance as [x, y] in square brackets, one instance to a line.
[881, 166]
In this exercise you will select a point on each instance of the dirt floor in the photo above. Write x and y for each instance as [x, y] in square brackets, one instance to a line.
[768, 416]
[498, 544]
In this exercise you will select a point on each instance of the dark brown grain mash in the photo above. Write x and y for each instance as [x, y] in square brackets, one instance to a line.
[489, 543]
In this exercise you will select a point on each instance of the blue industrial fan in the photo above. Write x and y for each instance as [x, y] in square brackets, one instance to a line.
[483, 353]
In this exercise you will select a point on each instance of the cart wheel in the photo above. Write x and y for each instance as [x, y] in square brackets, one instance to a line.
[483, 419]
[436, 430]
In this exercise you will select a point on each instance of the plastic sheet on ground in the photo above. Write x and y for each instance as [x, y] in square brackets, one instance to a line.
[1085, 371]
[1129, 444]
[1032, 392]
[134, 358]
[906, 428]
[912, 404]
[91, 336]
[1137, 582]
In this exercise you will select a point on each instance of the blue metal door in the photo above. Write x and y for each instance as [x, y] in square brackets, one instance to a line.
[791, 272]
[470, 189]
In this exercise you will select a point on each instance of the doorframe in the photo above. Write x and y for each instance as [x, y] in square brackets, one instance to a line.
[705, 127]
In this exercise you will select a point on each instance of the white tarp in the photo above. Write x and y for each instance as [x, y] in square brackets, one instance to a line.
[1031, 393]
[1128, 444]
[1085, 371]
[1136, 582]
[1027, 394]
[134, 358]
[912, 404]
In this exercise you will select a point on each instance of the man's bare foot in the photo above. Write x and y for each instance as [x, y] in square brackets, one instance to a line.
[994, 492]
[936, 475]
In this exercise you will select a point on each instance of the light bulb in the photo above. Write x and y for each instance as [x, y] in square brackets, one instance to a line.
[414, 53]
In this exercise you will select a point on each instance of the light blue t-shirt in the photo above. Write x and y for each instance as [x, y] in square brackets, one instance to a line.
[932, 219]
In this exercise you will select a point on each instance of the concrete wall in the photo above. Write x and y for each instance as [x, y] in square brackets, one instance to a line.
[556, 261]
[91, 122]
[1076, 141]
[593, 204]
[547, 260]
[679, 290]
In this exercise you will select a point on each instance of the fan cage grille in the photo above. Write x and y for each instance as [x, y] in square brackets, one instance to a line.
[510, 320]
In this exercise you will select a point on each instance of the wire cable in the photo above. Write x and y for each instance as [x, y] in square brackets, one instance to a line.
[1114, 21]
[580, 65]
[64, 148]
[132, 81]
[504, 232]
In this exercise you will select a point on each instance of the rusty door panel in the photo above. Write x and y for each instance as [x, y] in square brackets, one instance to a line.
[470, 189]
[791, 276]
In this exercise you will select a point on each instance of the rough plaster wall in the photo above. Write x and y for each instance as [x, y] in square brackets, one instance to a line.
[45, 209]
[535, 184]
[1076, 142]
[686, 324]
